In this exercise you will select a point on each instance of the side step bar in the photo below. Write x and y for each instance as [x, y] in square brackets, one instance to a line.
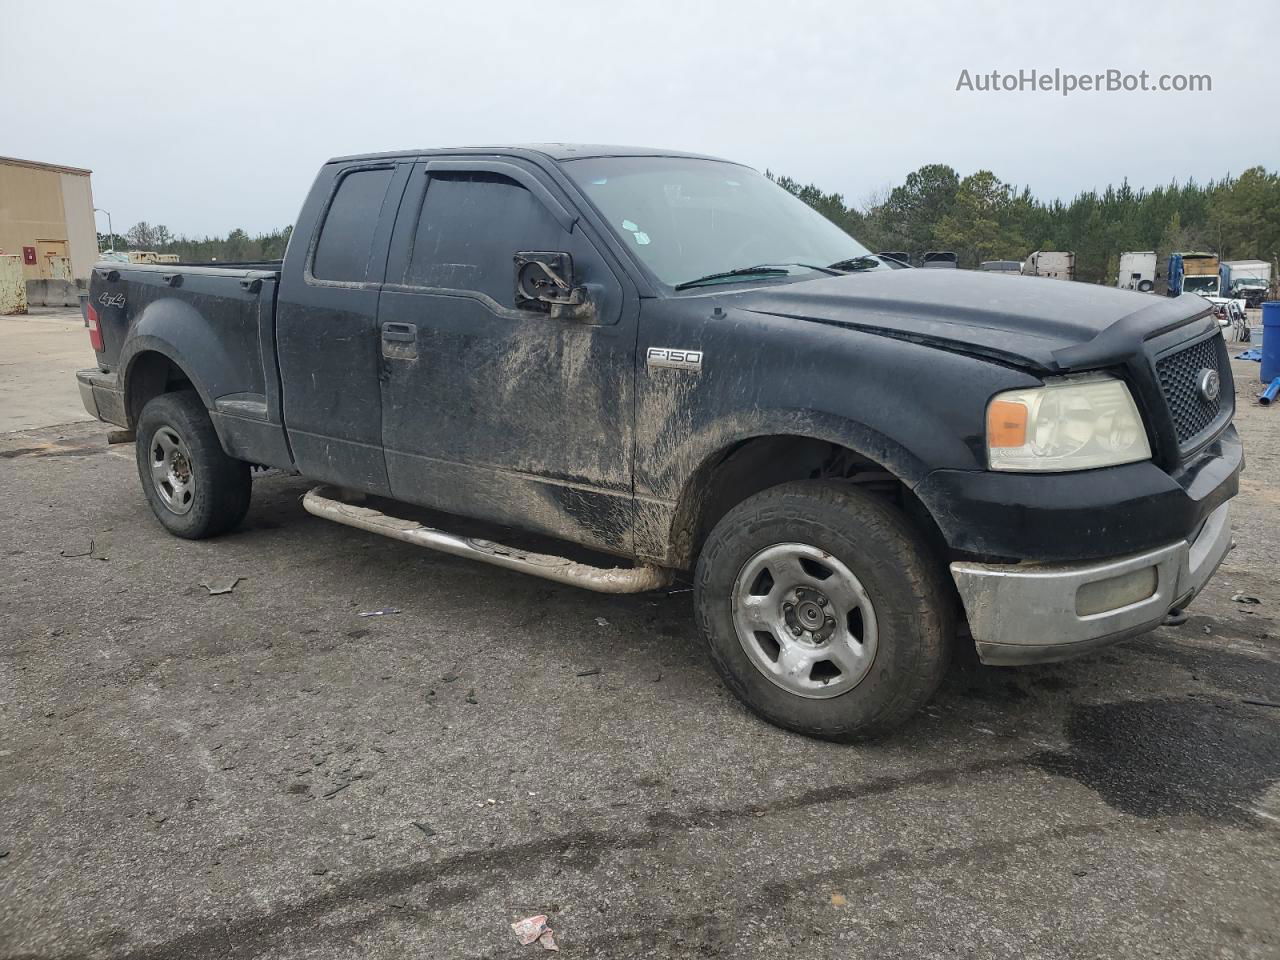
[323, 502]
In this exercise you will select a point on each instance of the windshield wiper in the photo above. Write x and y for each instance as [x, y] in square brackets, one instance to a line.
[760, 269]
[854, 264]
[739, 272]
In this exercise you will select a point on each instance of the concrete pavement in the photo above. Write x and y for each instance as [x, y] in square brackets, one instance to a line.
[40, 353]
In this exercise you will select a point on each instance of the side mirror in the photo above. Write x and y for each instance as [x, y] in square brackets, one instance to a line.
[545, 282]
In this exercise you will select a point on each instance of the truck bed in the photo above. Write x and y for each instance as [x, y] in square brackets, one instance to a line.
[217, 322]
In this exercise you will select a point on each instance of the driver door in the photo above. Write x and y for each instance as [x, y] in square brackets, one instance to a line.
[491, 409]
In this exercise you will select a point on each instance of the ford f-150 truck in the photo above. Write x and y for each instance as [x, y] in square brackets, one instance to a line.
[667, 359]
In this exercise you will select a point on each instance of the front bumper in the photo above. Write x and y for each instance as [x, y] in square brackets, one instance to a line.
[1034, 613]
[1085, 514]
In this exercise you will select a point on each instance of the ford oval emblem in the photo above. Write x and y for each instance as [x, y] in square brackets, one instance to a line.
[1209, 384]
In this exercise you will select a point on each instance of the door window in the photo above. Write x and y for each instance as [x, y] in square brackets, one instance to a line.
[346, 238]
[469, 230]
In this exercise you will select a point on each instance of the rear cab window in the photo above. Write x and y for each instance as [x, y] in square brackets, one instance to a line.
[345, 243]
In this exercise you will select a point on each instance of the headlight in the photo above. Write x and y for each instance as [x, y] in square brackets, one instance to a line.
[1071, 424]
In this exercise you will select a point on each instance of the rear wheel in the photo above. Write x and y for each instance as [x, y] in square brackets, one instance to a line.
[1145, 286]
[194, 488]
[823, 610]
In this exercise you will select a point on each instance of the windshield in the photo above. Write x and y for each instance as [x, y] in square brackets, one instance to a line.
[1200, 285]
[688, 219]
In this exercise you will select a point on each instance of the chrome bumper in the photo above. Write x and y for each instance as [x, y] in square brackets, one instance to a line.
[1032, 613]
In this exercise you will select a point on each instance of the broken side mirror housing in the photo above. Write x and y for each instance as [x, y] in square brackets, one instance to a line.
[545, 282]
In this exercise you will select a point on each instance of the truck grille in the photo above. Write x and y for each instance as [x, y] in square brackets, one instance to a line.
[1179, 375]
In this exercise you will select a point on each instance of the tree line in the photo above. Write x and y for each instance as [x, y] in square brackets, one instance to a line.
[235, 246]
[980, 217]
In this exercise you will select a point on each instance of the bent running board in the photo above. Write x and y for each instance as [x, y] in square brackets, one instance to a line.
[323, 502]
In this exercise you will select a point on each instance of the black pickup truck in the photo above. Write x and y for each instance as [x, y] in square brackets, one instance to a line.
[668, 359]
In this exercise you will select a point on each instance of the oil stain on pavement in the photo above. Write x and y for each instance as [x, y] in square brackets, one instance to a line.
[1159, 758]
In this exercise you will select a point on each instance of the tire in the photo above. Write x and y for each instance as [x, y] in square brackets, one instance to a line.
[890, 654]
[1145, 286]
[194, 488]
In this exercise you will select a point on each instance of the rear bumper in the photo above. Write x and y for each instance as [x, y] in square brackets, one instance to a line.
[1034, 613]
[101, 397]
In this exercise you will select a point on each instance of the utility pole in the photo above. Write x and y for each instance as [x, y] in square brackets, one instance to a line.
[111, 236]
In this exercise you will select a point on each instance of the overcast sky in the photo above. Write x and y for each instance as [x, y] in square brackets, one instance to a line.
[212, 115]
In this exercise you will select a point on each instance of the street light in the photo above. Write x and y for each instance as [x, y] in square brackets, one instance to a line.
[111, 237]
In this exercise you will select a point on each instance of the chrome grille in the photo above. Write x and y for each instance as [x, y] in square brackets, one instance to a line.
[1179, 375]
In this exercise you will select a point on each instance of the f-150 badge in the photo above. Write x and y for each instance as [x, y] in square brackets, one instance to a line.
[673, 359]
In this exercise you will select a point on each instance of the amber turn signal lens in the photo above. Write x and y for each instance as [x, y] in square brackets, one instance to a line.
[1006, 424]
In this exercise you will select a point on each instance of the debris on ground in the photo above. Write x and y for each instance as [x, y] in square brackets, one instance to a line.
[384, 612]
[1241, 598]
[535, 930]
[1253, 353]
[80, 550]
[471, 696]
[839, 900]
[450, 677]
[1268, 396]
[1261, 703]
[601, 622]
[594, 671]
[220, 586]
[98, 548]
[426, 828]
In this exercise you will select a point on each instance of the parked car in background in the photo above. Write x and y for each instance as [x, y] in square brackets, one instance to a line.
[1057, 264]
[943, 259]
[1247, 280]
[1008, 267]
[1194, 272]
[670, 359]
[1137, 271]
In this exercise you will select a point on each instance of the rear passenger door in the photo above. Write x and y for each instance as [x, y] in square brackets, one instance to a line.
[327, 323]
[489, 409]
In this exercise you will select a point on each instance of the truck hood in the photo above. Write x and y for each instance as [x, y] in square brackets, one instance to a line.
[1031, 322]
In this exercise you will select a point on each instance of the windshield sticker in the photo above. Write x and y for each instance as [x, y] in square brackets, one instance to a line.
[641, 237]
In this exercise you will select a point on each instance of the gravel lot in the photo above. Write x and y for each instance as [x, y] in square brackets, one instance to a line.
[265, 773]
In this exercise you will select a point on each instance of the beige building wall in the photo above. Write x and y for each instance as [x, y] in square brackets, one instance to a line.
[50, 208]
[82, 235]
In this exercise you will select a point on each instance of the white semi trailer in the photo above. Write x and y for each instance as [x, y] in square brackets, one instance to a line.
[1058, 264]
[1137, 271]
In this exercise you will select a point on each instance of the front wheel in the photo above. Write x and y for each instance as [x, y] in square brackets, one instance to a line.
[823, 610]
[194, 488]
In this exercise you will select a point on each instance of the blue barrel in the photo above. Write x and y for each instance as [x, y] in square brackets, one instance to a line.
[1270, 341]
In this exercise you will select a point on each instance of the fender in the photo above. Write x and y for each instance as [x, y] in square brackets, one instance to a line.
[178, 331]
[663, 525]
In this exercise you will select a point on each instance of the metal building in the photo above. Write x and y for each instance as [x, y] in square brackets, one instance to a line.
[46, 218]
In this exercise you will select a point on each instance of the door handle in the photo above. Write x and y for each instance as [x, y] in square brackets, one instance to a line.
[400, 332]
